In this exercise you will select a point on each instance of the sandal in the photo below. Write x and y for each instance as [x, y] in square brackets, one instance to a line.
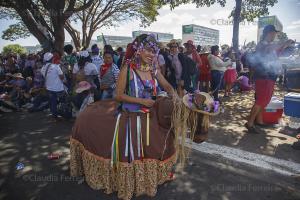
[251, 129]
[263, 125]
[296, 145]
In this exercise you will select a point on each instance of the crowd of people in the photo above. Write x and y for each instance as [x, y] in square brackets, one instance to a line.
[45, 80]
[138, 95]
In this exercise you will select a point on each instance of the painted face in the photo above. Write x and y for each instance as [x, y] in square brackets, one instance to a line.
[147, 55]
[108, 59]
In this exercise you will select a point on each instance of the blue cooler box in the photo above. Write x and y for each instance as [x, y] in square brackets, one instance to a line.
[292, 104]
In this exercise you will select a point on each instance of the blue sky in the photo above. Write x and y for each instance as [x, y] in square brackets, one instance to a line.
[171, 22]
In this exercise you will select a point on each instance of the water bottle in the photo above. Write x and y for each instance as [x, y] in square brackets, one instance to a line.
[294, 123]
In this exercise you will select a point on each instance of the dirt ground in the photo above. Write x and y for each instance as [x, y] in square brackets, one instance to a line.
[30, 137]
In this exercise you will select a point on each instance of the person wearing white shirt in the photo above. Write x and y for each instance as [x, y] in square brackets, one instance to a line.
[218, 67]
[96, 59]
[84, 70]
[53, 76]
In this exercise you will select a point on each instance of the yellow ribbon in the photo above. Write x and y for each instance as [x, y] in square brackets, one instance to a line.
[148, 131]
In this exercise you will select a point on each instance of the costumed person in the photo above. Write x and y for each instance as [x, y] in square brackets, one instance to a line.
[127, 146]
[109, 73]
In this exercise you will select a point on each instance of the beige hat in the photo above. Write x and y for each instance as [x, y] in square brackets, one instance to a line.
[82, 86]
[208, 102]
[18, 75]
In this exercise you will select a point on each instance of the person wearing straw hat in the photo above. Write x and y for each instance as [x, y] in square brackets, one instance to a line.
[53, 77]
[203, 106]
[84, 96]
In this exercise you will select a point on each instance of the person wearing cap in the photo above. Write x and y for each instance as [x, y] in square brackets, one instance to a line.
[53, 77]
[84, 96]
[192, 53]
[266, 69]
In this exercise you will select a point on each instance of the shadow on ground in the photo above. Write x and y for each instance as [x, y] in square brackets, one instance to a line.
[29, 138]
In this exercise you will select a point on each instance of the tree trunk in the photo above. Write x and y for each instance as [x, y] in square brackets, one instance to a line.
[75, 35]
[45, 42]
[59, 39]
[235, 35]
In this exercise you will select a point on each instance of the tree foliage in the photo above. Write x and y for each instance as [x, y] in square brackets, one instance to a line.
[109, 13]
[49, 30]
[14, 49]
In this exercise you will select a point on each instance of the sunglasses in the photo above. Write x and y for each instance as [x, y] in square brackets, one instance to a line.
[173, 46]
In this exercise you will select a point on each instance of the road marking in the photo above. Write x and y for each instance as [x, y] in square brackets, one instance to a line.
[281, 166]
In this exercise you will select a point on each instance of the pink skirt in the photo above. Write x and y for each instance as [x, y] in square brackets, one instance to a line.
[230, 76]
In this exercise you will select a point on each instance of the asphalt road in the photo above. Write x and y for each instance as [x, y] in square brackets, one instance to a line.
[29, 138]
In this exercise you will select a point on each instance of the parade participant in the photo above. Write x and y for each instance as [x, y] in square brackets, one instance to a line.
[85, 70]
[96, 59]
[54, 77]
[109, 73]
[180, 69]
[205, 75]
[230, 74]
[218, 67]
[131, 151]
[193, 54]
[266, 69]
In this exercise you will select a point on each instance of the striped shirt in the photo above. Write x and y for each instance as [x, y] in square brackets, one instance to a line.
[110, 77]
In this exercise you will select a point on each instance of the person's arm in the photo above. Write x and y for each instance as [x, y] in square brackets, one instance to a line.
[60, 73]
[120, 89]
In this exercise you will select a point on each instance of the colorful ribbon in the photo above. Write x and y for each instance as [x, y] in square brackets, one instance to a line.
[115, 143]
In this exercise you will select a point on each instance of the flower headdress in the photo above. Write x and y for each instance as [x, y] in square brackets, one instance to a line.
[142, 42]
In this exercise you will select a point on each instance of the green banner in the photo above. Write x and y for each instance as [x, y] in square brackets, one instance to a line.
[187, 29]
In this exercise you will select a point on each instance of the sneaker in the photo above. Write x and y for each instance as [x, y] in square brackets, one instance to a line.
[264, 125]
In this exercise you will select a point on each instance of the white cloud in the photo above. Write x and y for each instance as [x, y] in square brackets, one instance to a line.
[294, 25]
